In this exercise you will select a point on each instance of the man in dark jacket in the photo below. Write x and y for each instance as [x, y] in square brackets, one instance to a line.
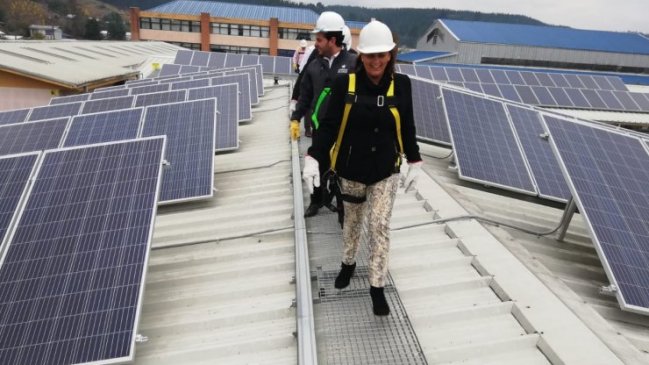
[332, 60]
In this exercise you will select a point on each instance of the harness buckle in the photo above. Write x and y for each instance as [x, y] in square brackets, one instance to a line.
[380, 100]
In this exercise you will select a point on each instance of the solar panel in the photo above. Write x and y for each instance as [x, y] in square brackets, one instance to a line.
[559, 80]
[602, 83]
[109, 94]
[491, 89]
[526, 94]
[69, 99]
[617, 83]
[109, 88]
[149, 82]
[33, 136]
[190, 84]
[250, 60]
[164, 97]
[55, 111]
[257, 75]
[72, 275]
[574, 81]
[469, 75]
[544, 96]
[428, 112]
[543, 164]
[103, 127]
[485, 76]
[500, 77]
[509, 92]
[102, 105]
[13, 116]
[190, 130]
[169, 69]
[640, 99]
[130, 83]
[529, 78]
[588, 82]
[544, 79]
[578, 99]
[200, 58]
[607, 173]
[560, 96]
[217, 60]
[175, 79]
[283, 66]
[423, 72]
[626, 100]
[254, 94]
[267, 64]
[227, 131]
[233, 60]
[15, 172]
[407, 69]
[149, 89]
[243, 80]
[484, 143]
[515, 78]
[609, 99]
[183, 57]
[188, 69]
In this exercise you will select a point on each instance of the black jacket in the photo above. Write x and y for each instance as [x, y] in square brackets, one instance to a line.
[317, 75]
[369, 148]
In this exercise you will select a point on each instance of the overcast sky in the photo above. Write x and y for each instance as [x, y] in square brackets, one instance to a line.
[619, 15]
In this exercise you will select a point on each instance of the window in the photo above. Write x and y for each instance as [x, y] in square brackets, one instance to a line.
[196, 27]
[238, 49]
[145, 23]
[240, 30]
[165, 24]
[193, 46]
[434, 35]
[155, 24]
[294, 33]
[175, 25]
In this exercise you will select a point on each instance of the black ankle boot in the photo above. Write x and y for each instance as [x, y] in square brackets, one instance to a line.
[346, 272]
[379, 304]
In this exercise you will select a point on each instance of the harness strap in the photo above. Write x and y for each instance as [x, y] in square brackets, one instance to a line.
[351, 90]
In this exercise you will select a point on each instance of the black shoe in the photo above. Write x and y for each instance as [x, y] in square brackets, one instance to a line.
[379, 304]
[307, 134]
[346, 273]
[312, 210]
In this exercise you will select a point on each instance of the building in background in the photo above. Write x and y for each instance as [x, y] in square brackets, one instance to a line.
[49, 32]
[228, 27]
[470, 42]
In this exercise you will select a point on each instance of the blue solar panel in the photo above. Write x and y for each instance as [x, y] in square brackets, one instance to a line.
[454, 74]
[254, 94]
[428, 112]
[164, 97]
[227, 103]
[484, 143]
[578, 99]
[544, 79]
[243, 80]
[626, 100]
[169, 69]
[559, 80]
[233, 60]
[485, 76]
[15, 171]
[588, 82]
[69, 99]
[641, 100]
[13, 116]
[509, 92]
[174, 79]
[189, 69]
[474, 86]
[33, 136]
[469, 75]
[407, 69]
[609, 99]
[190, 84]
[109, 94]
[190, 129]
[607, 174]
[217, 60]
[103, 127]
[283, 66]
[423, 72]
[526, 94]
[55, 111]
[109, 88]
[529, 78]
[183, 57]
[150, 89]
[200, 58]
[267, 64]
[594, 99]
[149, 82]
[544, 165]
[560, 96]
[71, 279]
[491, 89]
[617, 83]
[102, 105]
[544, 96]
[250, 60]
[500, 77]
[574, 81]
[602, 83]
[515, 77]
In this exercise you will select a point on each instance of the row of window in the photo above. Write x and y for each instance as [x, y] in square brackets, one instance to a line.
[194, 46]
[222, 28]
[238, 49]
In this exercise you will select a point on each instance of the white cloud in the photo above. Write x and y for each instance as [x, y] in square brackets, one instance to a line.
[618, 15]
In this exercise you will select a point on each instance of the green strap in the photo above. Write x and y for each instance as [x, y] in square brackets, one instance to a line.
[321, 98]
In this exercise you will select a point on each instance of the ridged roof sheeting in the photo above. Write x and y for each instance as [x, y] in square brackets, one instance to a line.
[238, 11]
[548, 36]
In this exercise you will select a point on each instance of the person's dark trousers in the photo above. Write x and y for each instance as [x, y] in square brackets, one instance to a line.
[308, 124]
[318, 192]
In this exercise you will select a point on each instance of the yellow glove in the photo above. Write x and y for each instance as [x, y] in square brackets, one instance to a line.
[295, 130]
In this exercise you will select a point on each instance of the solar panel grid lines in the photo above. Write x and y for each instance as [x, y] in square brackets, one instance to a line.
[169, 69]
[15, 173]
[217, 60]
[174, 79]
[189, 69]
[102, 105]
[150, 89]
[267, 64]
[243, 80]
[485, 145]
[283, 66]
[254, 94]
[190, 84]
[14, 116]
[428, 110]
[32, 136]
[249, 60]
[607, 173]
[103, 127]
[183, 57]
[109, 94]
[190, 129]
[69, 99]
[72, 279]
[547, 175]
[163, 97]
[55, 111]
[200, 58]
[227, 131]
[233, 59]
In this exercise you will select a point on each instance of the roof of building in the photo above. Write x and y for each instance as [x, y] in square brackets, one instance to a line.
[547, 36]
[76, 64]
[238, 11]
[421, 56]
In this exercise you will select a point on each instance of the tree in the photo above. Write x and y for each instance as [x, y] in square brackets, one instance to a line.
[115, 26]
[92, 29]
[20, 14]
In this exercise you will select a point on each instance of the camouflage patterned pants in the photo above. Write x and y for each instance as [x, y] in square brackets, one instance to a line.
[378, 208]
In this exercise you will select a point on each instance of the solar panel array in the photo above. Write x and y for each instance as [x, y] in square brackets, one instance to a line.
[55, 111]
[539, 88]
[608, 173]
[13, 116]
[104, 127]
[15, 172]
[164, 97]
[428, 110]
[33, 136]
[71, 278]
[102, 105]
[69, 99]
[276, 65]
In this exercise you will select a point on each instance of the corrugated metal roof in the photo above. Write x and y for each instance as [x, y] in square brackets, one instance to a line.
[238, 11]
[547, 36]
[421, 56]
[77, 63]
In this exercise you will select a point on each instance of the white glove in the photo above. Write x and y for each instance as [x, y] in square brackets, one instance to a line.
[410, 180]
[292, 106]
[311, 173]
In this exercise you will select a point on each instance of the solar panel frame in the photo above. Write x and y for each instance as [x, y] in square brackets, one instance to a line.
[200, 58]
[169, 69]
[609, 99]
[560, 96]
[32, 136]
[69, 99]
[14, 116]
[439, 74]
[628, 103]
[41, 169]
[282, 66]
[233, 59]
[163, 97]
[183, 57]
[190, 84]
[87, 129]
[103, 105]
[55, 111]
[217, 60]
[109, 94]
[596, 182]
[473, 141]
[428, 112]
[150, 89]
[254, 93]
[245, 108]
[544, 79]
[147, 130]
[227, 113]
[249, 60]
[577, 98]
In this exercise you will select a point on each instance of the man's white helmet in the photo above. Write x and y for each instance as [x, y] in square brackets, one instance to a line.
[347, 37]
[303, 43]
[375, 37]
[329, 21]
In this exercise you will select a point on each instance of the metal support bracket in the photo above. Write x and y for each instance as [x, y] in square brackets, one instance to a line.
[610, 290]
[571, 208]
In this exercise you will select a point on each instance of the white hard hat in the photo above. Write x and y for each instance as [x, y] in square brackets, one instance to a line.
[303, 43]
[375, 37]
[347, 37]
[329, 22]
